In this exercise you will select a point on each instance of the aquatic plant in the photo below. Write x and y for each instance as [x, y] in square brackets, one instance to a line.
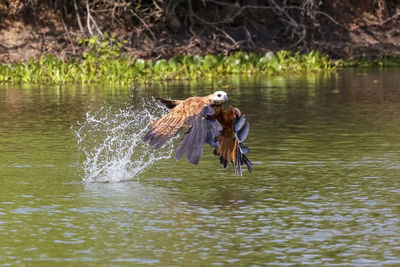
[364, 61]
[105, 63]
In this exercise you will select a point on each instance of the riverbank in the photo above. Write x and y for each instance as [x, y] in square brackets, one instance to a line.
[145, 41]
[164, 29]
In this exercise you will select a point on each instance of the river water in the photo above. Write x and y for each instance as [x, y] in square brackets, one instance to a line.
[79, 186]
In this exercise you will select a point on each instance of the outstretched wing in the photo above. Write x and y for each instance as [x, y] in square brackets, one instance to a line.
[205, 129]
[194, 113]
[235, 131]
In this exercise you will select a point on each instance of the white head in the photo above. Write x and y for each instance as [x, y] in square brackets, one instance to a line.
[219, 97]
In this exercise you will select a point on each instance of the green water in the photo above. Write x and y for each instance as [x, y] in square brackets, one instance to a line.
[325, 188]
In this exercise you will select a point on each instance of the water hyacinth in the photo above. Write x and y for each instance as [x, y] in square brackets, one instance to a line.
[103, 61]
[117, 68]
[364, 61]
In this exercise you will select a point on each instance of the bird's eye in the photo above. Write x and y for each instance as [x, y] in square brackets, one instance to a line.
[219, 95]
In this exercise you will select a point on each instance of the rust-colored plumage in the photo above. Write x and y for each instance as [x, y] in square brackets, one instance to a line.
[208, 122]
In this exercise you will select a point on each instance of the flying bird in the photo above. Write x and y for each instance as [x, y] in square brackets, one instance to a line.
[207, 122]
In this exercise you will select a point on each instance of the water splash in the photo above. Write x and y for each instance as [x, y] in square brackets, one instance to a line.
[110, 141]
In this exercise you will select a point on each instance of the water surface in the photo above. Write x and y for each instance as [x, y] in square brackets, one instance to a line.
[324, 191]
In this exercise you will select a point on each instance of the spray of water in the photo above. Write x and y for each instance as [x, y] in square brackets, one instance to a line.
[111, 146]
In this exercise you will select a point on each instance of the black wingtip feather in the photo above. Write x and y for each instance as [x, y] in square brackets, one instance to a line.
[244, 149]
[196, 155]
[239, 124]
[243, 132]
[204, 129]
[248, 163]
[241, 160]
[161, 141]
[169, 103]
[157, 140]
[148, 136]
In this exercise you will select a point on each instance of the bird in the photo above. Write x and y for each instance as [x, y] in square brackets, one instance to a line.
[208, 123]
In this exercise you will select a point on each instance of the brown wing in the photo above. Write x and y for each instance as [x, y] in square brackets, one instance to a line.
[194, 113]
[168, 126]
[235, 131]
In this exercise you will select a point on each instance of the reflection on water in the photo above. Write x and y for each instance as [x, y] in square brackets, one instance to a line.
[324, 191]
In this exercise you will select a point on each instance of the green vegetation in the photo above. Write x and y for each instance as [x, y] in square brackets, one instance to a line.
[364, 61]
[104, 61]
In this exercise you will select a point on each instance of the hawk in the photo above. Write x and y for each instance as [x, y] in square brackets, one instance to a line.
[207, 122]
